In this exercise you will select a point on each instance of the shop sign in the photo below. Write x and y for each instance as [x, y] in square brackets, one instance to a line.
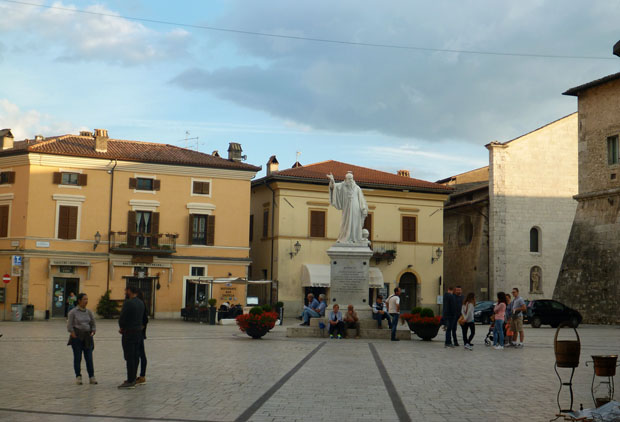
[69, 263]
[67, 269]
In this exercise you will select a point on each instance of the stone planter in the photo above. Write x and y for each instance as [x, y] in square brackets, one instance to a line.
[426, 332]
[212, 314]
[256, 332]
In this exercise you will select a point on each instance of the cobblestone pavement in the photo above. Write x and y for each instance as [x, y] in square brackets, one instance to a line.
[199, 372]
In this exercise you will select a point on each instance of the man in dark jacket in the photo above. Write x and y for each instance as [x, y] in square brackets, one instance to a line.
[449, 315]
[130, 323]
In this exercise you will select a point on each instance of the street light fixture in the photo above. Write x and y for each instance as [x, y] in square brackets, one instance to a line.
[97, 240]
[297, 248]
[438, 253]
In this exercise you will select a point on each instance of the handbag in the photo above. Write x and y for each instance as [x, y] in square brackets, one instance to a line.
[461, 320]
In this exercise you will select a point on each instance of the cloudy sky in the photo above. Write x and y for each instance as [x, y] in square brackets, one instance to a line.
[429, 111]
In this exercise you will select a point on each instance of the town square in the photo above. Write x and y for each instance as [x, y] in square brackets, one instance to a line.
[309, 211]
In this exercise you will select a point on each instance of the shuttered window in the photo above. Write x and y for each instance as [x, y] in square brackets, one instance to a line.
[70, 179]
[67, 222]
[7, 178]
[317, 223]
[4, 221]
[201, 229]
[409, 229]
[251, 227]
[201, 188]
[368, 225]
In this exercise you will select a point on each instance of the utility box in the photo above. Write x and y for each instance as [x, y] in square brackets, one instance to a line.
[16, 311]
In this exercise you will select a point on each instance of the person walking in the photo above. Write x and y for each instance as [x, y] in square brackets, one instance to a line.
[335, 322]
[448, 315]
[467, 312]
[141, 380]
[499, 312]
[351, 320]
[82, 328]
[130, 324]
[393, 306]
[516, 321]
[379, 312]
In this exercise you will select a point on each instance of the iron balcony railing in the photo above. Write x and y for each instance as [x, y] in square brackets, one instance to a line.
[146, 243]
[384, 251]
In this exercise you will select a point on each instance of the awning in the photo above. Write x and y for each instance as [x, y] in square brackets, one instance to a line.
[230, 280]
[376, 277]
[315, 275]
[200, 280]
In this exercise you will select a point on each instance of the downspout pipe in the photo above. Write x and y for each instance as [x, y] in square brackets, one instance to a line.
[110, 219]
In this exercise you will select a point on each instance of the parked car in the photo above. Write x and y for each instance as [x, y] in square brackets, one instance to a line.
[483, 311]
[552, 312]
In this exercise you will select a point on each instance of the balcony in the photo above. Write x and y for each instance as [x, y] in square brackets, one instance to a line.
[143, 243]
[383, 251]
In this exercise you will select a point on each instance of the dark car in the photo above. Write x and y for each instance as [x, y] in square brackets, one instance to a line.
[552, 312]
[483, 311]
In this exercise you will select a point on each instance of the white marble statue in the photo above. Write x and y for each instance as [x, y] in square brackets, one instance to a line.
[348, 197]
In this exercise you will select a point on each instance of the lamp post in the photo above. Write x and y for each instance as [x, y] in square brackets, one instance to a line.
[438, 253]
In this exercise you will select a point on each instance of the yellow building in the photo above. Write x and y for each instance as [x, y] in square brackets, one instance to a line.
[292, 225]
[87, 213]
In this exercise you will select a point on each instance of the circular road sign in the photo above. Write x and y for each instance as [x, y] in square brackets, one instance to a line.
[6, 279]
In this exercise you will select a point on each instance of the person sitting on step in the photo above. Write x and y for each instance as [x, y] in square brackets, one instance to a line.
[335, 322]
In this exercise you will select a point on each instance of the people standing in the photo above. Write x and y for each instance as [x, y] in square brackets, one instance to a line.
[507, 316]
[82, 328]
[71, 300]
[130, 323]
[379, 312]
[141, 380]
[393, 306]
[351, 320]
[499, 312]
[516, 321]
[458, 304]
[467, 312]
[335, 322]
[448, 315]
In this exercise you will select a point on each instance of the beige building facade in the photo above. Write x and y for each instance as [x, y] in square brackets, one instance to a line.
[293, 225]
[87, 213]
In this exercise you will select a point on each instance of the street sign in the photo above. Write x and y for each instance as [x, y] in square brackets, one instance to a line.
[6, 279]
[16, 260]
[16, 271]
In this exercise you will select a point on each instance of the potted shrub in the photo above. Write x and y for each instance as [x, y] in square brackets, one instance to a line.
[425, 324]
[106, 307]
[279, 308]
[212, 310]
[257, 323]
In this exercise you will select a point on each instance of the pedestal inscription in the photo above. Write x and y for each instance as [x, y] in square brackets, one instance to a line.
[350, 276]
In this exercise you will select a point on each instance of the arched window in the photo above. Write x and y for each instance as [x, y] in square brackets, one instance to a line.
[534, 239]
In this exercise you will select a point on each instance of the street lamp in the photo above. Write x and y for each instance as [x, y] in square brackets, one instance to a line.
[97, 240]
[438, 253]
[297, 248]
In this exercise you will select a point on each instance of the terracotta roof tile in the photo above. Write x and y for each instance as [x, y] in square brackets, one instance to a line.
[364, 177]
[84, 146]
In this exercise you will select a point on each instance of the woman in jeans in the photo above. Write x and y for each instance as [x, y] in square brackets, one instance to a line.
[81, 326]
[467, 312]
[499, 312]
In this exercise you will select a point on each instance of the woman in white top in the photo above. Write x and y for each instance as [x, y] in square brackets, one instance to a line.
[467, 313]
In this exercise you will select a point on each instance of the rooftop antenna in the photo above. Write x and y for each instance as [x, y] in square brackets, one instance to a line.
[187, 139]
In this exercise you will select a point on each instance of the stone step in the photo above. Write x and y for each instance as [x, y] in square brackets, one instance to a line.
[364, 323]
[365, 333]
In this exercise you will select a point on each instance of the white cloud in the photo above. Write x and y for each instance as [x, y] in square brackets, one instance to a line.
[84, 37]
[27, 123]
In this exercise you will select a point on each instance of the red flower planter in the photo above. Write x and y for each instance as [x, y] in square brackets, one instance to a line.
[256, 326]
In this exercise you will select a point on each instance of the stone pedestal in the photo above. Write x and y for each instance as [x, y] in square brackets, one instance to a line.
[350, 278]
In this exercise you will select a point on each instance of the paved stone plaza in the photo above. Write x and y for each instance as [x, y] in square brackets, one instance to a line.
[198, 372]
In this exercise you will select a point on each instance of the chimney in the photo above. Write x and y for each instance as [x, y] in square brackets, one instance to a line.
[617, 49]
[272, 165]
[6, 139]
[101, 140]
[86, 133]
[297, 164]
[38, 138]
[216, 153]
[234, 152]
[403, 173]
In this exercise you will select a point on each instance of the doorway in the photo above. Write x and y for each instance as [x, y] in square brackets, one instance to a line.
[145, 284]
[408, 284]
[62, 287]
